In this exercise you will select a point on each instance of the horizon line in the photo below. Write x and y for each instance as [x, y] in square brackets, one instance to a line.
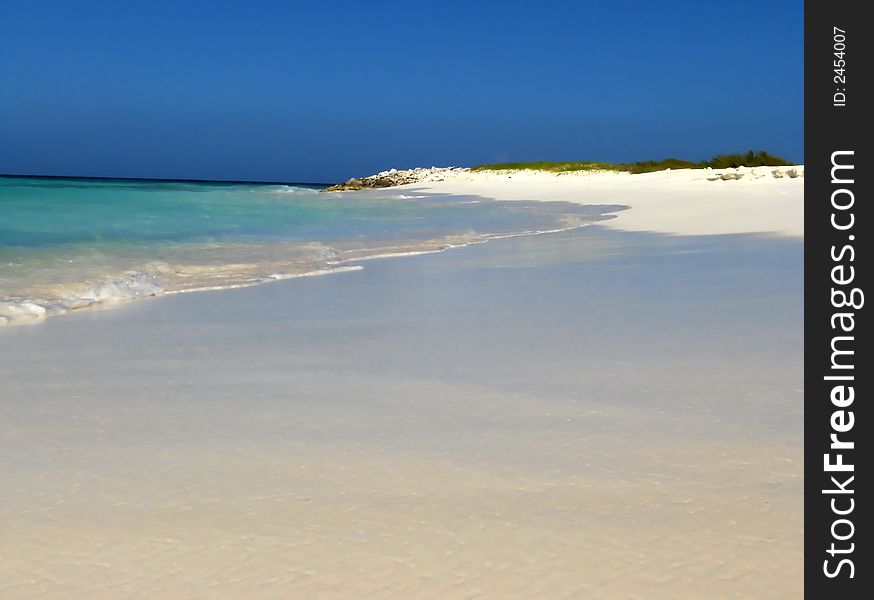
[172, 179]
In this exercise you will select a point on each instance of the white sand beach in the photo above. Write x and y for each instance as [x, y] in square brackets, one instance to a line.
[683, 201]
[603, 413]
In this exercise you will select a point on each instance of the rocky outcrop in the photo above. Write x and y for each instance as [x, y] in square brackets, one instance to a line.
[394, 177]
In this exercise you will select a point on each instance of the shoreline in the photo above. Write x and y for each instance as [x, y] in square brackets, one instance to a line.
[399, 177]
[683, 201]
[680, 202]
[490, 420]
[32, 313]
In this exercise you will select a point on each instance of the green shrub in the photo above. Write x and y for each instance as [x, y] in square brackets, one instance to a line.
[751, 158]
[558, 167]
[648, 166]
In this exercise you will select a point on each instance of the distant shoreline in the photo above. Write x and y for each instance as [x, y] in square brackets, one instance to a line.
[767, 200]
[395, 177]
[399, 177]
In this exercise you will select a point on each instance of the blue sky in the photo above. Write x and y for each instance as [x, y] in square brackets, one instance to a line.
[322, 91]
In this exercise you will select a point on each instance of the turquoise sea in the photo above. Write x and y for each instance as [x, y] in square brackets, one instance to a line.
[67, 244]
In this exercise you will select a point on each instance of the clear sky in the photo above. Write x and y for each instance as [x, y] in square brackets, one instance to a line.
[322, 91]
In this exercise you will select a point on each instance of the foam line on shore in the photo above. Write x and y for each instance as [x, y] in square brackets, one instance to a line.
[143, 285]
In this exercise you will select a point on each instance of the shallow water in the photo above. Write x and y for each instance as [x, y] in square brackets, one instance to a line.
[590, 414]
[72, 243]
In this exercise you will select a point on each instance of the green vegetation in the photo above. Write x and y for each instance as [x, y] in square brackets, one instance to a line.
[750, 159]
[648, 166]
[721, 161]
[558, 167]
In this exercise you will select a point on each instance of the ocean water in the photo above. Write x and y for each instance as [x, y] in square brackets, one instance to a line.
[68, 244]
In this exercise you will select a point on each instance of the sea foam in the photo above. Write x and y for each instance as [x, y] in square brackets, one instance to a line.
[111, 291]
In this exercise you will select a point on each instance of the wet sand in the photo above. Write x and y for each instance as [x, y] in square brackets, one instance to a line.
[590, 414]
